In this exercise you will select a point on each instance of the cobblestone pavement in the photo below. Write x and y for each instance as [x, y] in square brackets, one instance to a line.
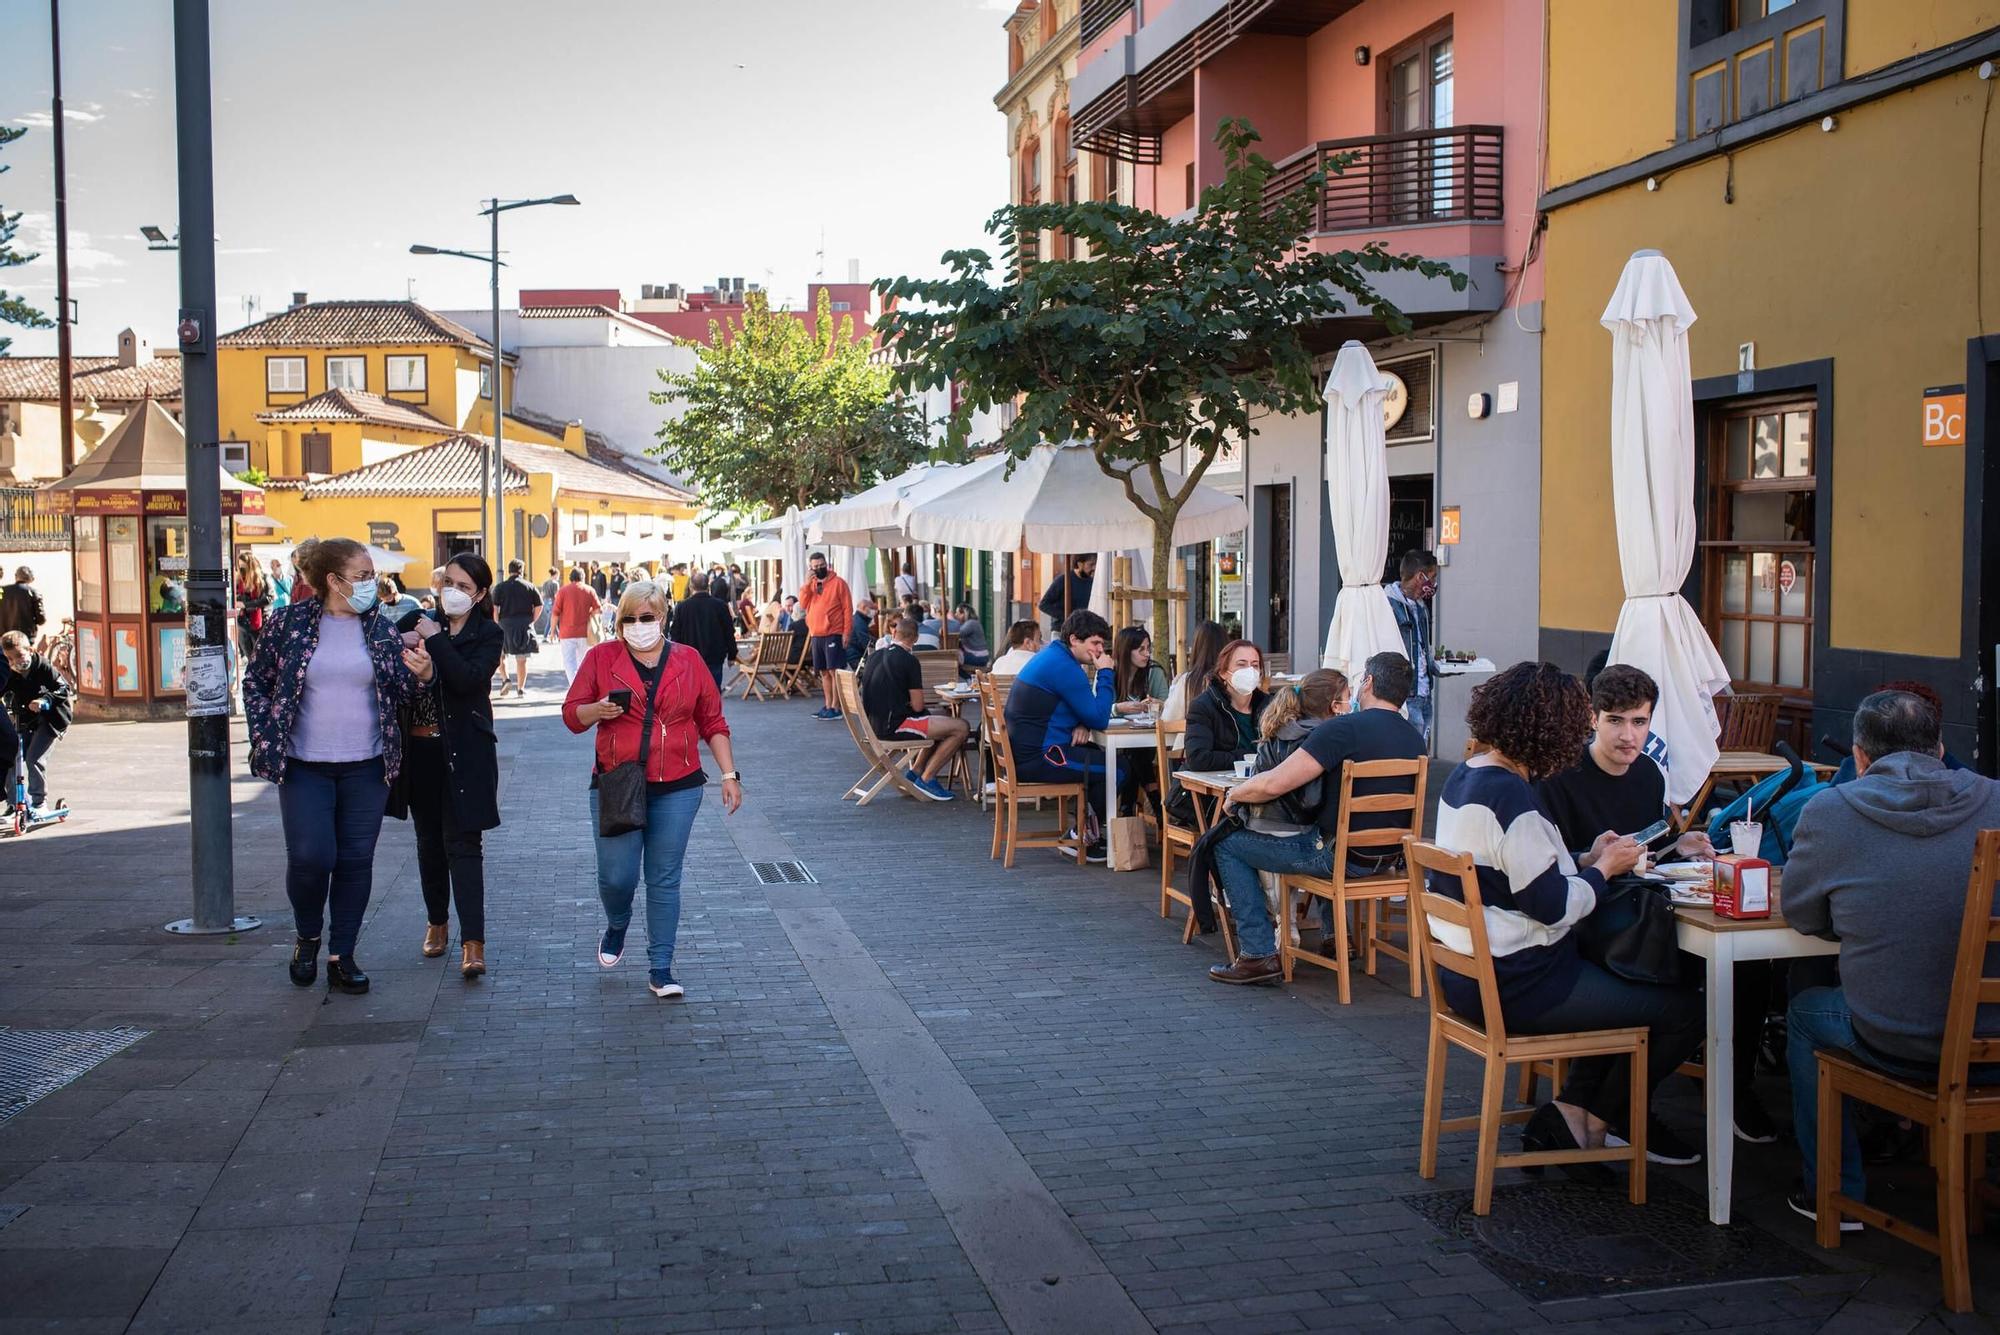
[920, 1095]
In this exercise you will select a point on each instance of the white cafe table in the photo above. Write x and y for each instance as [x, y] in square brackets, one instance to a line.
[1122, 735]
[1721, 943]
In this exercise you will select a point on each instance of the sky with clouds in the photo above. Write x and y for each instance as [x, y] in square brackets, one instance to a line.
[703, 139]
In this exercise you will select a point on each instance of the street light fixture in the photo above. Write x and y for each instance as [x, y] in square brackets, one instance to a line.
[158, 240]
[494, 482]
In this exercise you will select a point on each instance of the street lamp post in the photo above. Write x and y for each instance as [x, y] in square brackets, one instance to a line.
[493, 480]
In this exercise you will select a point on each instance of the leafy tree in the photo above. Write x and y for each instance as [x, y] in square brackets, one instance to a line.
[779, 413]
[1172, 335]
[13, 310]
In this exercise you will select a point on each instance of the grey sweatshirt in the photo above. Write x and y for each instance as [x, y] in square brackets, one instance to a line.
[1880, 865]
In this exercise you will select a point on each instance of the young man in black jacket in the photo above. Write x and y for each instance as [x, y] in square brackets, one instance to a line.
[39, 703]
[21, 606]
[702, 622]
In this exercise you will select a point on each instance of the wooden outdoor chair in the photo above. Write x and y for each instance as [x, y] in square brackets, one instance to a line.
[1958, 1114]
[1010, 791]
[797, 676]
[1491, 1042]
[1749, 722]
[888, 761]
[1172, 836]
[1342, 890]
[763, 671]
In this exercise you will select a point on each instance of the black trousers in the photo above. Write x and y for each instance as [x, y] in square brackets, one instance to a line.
[452, 865]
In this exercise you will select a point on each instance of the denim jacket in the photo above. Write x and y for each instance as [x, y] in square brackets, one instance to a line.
[275, 681]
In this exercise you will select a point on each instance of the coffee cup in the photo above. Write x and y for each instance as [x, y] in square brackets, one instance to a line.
[1746, 838]
[1244, 768]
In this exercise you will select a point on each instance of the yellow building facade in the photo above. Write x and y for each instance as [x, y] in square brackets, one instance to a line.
[1815, 176]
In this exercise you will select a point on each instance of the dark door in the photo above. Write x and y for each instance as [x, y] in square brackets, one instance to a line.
[1409, 520]
[1276, 563]
[316, 447]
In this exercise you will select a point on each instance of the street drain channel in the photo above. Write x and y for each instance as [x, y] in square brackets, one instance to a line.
[35, 1063]
[1556, 1240]
[783, 873]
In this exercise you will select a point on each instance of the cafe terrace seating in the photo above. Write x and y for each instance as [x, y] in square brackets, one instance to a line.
[1010, 790]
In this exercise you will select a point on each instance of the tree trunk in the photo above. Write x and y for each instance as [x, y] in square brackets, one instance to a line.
[1162, 573]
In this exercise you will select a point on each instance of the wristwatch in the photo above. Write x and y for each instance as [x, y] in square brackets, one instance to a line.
[736, 775]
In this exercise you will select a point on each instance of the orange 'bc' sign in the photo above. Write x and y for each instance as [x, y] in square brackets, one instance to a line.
[1944, 416]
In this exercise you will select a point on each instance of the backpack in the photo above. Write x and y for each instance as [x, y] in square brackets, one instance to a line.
[1775, 801]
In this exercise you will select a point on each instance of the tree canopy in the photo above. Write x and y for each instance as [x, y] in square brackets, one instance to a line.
[1169, 334]
[778, 413]
[14, 310]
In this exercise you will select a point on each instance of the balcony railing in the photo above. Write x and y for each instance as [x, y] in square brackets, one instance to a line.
[29, 524]
[1399, 180]
[1094, 16]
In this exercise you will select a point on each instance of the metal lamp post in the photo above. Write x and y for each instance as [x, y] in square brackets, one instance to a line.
[493, 481]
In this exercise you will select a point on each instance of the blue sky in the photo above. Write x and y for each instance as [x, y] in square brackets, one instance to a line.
[703, 139]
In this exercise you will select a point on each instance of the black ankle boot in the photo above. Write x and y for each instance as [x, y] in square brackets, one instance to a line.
[345, 975]
[305, 961]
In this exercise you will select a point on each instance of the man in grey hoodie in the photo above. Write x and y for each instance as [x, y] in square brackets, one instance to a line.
[1880, 865]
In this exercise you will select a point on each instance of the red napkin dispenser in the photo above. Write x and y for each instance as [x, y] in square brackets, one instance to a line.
[1742, 887]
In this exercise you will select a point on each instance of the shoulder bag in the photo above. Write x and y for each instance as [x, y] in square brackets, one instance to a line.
[1631, 932]
[621, 790]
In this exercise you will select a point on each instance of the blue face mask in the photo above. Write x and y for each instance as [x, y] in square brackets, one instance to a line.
[362, 599]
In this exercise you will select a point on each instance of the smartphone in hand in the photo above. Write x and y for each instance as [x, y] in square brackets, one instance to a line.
[1652, 833]
[622, 697]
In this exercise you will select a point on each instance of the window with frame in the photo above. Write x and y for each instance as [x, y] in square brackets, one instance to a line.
[408, 375]
[617, 521]
[316, 452]
[1759, 561]
[285, 375]
[486, 380]
[347, 373]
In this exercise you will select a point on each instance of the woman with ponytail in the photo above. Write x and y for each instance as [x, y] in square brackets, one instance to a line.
[450, 785]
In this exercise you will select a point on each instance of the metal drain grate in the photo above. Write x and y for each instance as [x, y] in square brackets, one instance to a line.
[1556, 1240]
[35, 1063]
[783, 873]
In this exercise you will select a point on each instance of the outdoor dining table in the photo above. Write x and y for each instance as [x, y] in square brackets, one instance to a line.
[1206, 788]
[1721, 943]
[955, 698]
[1124, 734]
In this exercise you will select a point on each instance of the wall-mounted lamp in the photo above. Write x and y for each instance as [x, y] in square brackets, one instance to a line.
[1829, 124]
[1361, 55]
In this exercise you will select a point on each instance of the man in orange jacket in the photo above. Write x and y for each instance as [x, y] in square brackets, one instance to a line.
[829, 609]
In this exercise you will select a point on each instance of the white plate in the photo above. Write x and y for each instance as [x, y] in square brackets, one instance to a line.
[1687, 871]
[1687, 894]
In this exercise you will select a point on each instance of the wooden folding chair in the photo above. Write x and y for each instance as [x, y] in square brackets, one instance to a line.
[1958, 1114]
[764, 675]
[1342, 890]
[797, 676]
[1468, 955]
[888, 761]
[1009, 790]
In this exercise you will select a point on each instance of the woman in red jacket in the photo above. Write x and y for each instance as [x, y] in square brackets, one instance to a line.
[685, 708]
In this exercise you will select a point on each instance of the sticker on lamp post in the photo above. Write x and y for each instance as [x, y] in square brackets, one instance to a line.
[207, 680]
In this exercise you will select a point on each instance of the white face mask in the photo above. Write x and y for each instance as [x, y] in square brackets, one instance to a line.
[455, 602]
[643, 635]
[1245, 680]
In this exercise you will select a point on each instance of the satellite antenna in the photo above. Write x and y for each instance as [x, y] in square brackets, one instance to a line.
[820, 254]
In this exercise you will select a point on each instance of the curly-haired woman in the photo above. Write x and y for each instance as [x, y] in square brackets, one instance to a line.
[1533, 719]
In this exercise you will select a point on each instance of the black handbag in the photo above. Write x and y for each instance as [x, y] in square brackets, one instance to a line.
[1631, 932]
[621, 790]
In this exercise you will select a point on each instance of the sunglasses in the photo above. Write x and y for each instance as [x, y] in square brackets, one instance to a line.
[644, 618]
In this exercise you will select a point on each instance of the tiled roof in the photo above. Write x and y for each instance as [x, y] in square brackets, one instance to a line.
[605, 453]
[353, 405]
[573, 473]
[101, 378]
[449, 468]
[342, 324]
[593, 313]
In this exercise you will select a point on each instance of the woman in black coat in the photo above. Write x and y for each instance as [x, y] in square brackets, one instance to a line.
[450, 781]
[1222, 717]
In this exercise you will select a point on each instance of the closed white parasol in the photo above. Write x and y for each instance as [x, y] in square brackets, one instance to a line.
[1652, 493]
[1357, 493]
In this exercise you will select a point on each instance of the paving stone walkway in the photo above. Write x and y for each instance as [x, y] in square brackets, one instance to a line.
[920, 1095]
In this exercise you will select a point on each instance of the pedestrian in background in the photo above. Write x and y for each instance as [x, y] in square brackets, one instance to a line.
[701, 622]
[575, 615]
[665, 703]
[516, 603]
[281, 585]
[321, 701]
[253, 597]
[450, 783]
[545, 623]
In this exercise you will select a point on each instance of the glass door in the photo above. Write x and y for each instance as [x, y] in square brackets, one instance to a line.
[1422, 178]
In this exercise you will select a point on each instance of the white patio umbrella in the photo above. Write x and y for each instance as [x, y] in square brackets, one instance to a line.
[792, 533]
[875, 517]
[758, 549]
[1357, 493]
[1652, 493]
[1058, 500]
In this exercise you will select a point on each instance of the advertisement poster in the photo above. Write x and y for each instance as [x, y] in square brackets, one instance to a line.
[169, 658]
[206, 677]
[89, 658]
[125, 678]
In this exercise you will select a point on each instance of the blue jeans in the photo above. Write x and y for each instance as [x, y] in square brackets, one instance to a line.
[1819, 1018]
[1238, 859]
[658, 850]
[332, 814]
[1419, 707]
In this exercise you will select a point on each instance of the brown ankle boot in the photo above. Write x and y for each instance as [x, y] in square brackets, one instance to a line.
[475, 959]
[435, 936]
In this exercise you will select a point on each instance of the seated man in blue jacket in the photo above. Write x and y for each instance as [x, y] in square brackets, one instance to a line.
[1063, 694]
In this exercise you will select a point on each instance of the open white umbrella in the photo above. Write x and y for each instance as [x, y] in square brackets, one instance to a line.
[1652, 494]
[875, 518]
[1058, 500]
[1357, 494]
[758, 549]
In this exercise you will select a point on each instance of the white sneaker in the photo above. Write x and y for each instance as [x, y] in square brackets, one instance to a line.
[667, 990]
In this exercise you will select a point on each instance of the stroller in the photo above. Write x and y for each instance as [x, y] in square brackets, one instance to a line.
[1776, 802]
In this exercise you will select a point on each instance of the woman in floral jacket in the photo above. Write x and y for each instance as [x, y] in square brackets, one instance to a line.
[321, 701]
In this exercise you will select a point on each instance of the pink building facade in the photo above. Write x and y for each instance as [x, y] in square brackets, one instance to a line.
[1436, 105]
